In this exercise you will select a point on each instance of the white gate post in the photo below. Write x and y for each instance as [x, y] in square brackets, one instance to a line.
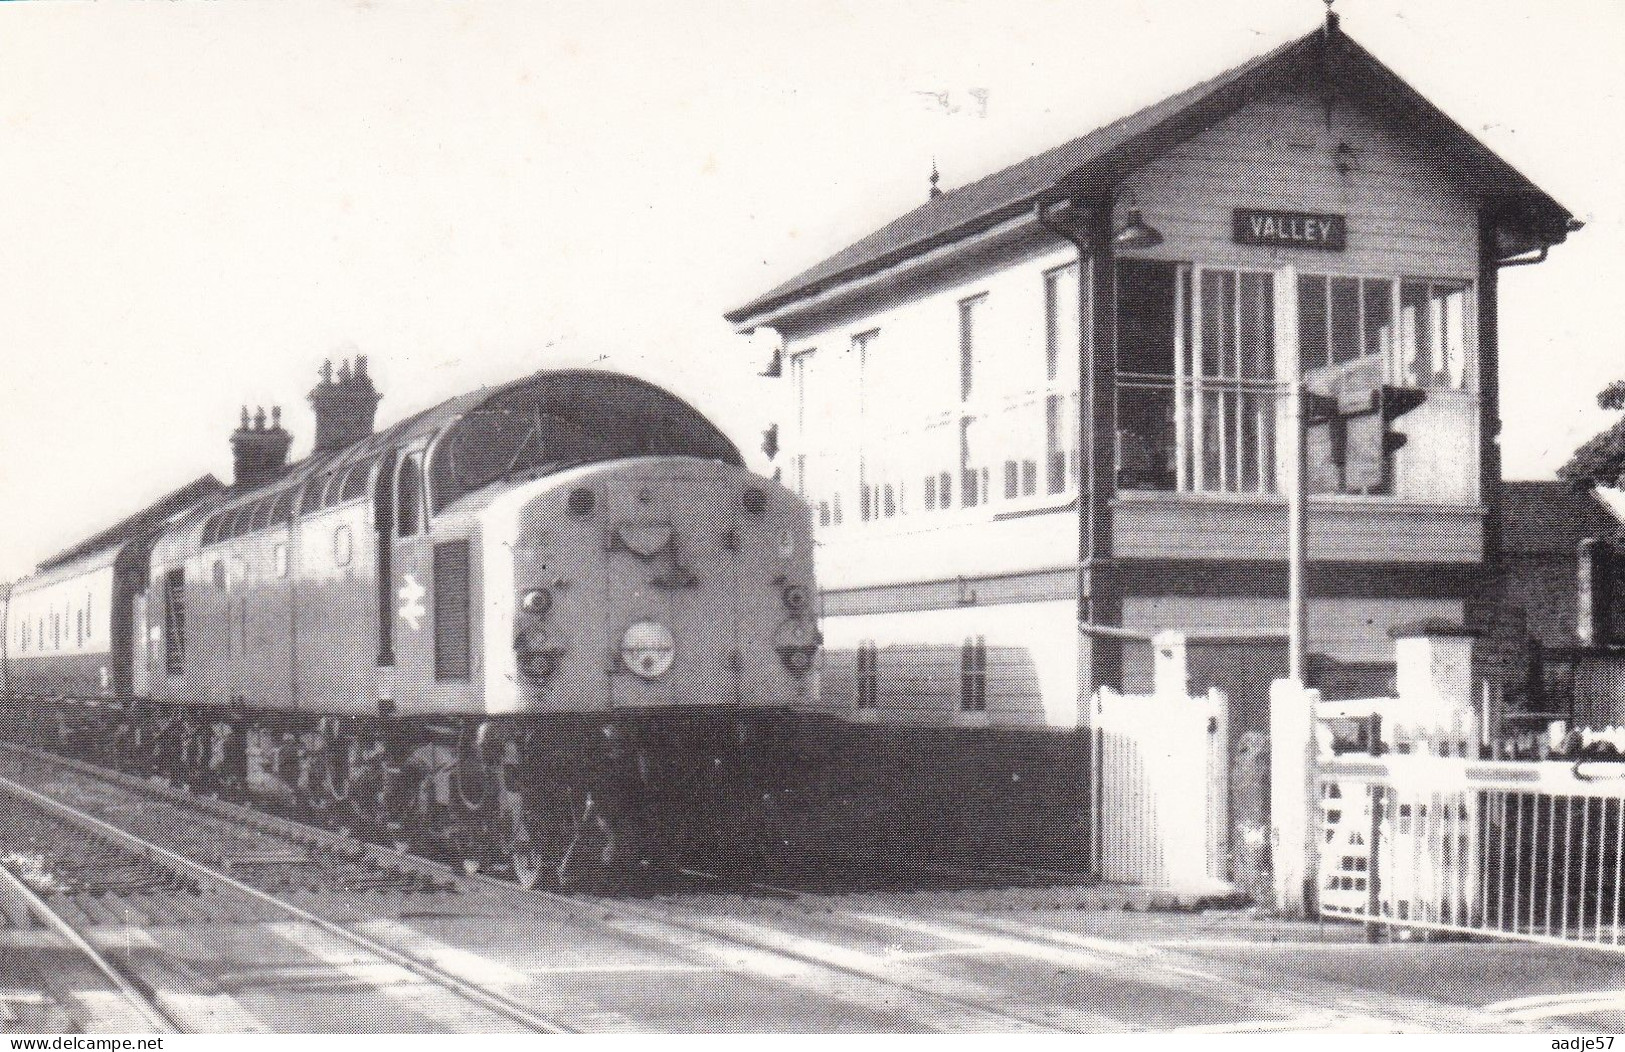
[1293, 802]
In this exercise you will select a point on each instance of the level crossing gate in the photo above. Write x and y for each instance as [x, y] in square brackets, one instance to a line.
[1421, 811]
[1162, 782]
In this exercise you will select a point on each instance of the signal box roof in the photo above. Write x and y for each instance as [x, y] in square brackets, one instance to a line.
[1091, 164]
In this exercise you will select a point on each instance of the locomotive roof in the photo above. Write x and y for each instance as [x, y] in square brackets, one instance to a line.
[1093, 163]
[613, 402]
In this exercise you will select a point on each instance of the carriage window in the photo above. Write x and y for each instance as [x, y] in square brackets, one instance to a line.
[279, 560]
[343, 546]
[409, 497]
[355, 481]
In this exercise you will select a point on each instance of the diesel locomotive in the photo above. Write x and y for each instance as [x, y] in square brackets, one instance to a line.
[458, 627]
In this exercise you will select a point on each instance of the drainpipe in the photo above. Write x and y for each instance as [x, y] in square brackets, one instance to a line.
[1089, 530]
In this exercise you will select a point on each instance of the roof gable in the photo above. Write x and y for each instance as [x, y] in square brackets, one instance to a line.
[1092, 163]
[1544, 518]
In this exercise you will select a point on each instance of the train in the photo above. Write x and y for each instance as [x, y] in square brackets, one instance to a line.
[459, 627]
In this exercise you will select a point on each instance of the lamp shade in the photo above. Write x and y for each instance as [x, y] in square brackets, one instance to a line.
[1136, 232]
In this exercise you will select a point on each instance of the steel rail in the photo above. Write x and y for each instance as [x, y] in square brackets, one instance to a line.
[146, 1006]
[468, 991]
[587, 910]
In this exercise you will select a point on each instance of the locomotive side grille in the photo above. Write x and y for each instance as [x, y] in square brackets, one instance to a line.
[451, 626]
[175, 622]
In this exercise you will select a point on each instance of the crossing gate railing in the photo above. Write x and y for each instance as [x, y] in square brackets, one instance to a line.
[1523, 850]
[1162, 788]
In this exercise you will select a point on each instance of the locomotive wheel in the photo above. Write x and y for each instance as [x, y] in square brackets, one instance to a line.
[338, 770]
[524, 852]
[473, 782]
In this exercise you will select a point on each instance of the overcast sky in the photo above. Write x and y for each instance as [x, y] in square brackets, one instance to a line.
[204, 201]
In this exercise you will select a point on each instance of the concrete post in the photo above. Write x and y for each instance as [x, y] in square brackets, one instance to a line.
[1434, 672]
[1293, 801]
[1170, 665]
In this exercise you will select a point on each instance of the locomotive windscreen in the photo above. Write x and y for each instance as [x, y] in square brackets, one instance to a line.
[561, 420]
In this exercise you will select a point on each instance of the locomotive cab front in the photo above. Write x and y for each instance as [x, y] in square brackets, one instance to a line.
[650, 584]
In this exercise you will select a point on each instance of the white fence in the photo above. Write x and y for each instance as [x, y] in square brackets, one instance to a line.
[1527, 850]
[1162, 763]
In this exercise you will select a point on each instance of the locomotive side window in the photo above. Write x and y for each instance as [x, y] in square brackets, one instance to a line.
[282, 508]
[409, 497]
[335, 483]
[311, 499]
[355, 481]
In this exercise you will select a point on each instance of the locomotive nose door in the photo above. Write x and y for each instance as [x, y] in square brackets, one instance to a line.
[670, 585]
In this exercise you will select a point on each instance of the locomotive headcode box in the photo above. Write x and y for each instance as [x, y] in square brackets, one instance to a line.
[1290, 229]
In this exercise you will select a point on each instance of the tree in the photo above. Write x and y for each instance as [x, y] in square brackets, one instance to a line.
[1601, 460]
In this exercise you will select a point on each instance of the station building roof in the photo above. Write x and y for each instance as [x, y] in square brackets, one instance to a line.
[1091, 164]
[143, 523]
[1552, 518]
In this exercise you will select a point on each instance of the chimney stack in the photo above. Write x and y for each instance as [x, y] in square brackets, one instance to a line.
[259, 453]
[344, 407]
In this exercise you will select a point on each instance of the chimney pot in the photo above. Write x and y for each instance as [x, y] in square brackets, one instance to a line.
[244, 424]
[276, 418]
[259, 418]
[327, 371]
[344, 410]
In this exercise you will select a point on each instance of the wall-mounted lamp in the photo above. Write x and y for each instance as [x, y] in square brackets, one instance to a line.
[1135, 231]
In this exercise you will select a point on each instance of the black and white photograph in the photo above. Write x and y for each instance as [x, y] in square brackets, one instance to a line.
[904, 517]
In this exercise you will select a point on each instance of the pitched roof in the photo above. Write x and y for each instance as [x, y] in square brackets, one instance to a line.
[1551, 518]
[1092, 162]
[147, 521]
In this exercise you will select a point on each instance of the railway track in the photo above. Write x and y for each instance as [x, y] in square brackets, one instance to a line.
[925, 960]
[967, 1007]
[99, 872]
[25, 908]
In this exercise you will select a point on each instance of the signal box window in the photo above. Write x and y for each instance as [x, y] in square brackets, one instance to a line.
[409, 498]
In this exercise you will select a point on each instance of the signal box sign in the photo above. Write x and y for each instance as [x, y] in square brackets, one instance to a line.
[1274, 229]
